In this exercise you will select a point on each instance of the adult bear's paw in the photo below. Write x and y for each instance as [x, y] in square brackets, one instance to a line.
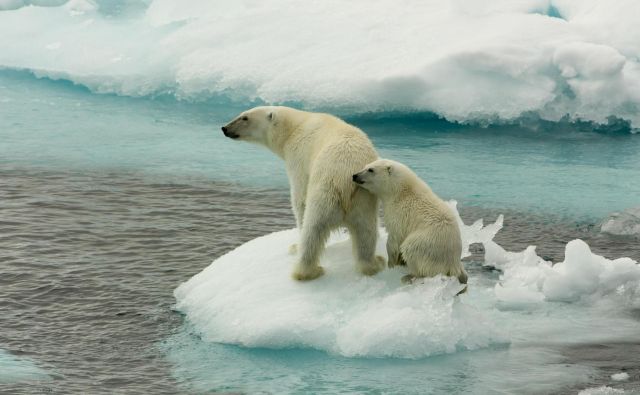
[307, 273]
[372, 268]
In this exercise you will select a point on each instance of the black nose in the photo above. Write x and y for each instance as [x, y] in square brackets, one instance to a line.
[224, 129]
[355, 177]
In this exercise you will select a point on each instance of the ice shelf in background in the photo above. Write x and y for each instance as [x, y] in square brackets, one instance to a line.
[486, 61]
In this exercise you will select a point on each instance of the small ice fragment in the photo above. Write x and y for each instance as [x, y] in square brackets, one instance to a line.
[620, 376]
[624, 223]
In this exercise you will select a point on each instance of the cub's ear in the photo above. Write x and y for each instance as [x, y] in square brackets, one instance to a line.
[271, 116]
[389, 169]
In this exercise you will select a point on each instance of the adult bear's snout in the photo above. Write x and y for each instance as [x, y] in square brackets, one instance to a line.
[229, 133]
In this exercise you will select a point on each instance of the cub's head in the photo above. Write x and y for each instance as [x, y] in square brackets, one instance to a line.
[381, 176]
[252, 125]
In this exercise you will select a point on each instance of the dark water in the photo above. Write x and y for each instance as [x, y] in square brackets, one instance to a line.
[90, 259]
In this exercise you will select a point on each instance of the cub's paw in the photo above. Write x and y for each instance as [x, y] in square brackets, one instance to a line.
[399, 261]
[371, 268]
[293, 249]
[307, 273]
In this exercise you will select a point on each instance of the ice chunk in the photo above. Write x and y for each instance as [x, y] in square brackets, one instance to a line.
[624, 223]
[527, 278]
[582, 275]
[247, 297]
[521, 276]
[622, 376]
[476, 232]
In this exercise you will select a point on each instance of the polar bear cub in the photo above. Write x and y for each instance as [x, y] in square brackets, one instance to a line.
[423, 231]
[321, 152]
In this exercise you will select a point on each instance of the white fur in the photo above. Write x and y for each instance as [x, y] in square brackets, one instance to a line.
[321, 153]
[423, 231]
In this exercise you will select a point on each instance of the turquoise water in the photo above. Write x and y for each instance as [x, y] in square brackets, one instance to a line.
[559, 169]
[553, 169]
[493, 370]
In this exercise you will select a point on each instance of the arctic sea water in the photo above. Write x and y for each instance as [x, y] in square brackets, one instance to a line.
[518, 171]
[119, 188]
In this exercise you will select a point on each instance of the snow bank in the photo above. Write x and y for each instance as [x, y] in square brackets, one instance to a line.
[467, 61]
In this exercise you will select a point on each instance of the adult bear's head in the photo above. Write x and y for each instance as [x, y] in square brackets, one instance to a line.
[252, 125]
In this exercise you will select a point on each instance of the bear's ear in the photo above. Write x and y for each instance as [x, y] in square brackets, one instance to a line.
[271, 116]
[389, 169]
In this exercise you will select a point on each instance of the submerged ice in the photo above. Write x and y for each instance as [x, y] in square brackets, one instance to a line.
[14, 369]
[247, 298]
[467, 61]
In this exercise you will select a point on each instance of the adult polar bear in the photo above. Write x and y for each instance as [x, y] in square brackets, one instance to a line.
[423, 231]
[321, 152]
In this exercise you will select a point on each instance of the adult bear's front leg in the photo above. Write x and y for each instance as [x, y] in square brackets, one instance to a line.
[298, 197]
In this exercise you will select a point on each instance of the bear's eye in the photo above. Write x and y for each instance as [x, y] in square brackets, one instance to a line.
[370, 170]
[245, 118]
